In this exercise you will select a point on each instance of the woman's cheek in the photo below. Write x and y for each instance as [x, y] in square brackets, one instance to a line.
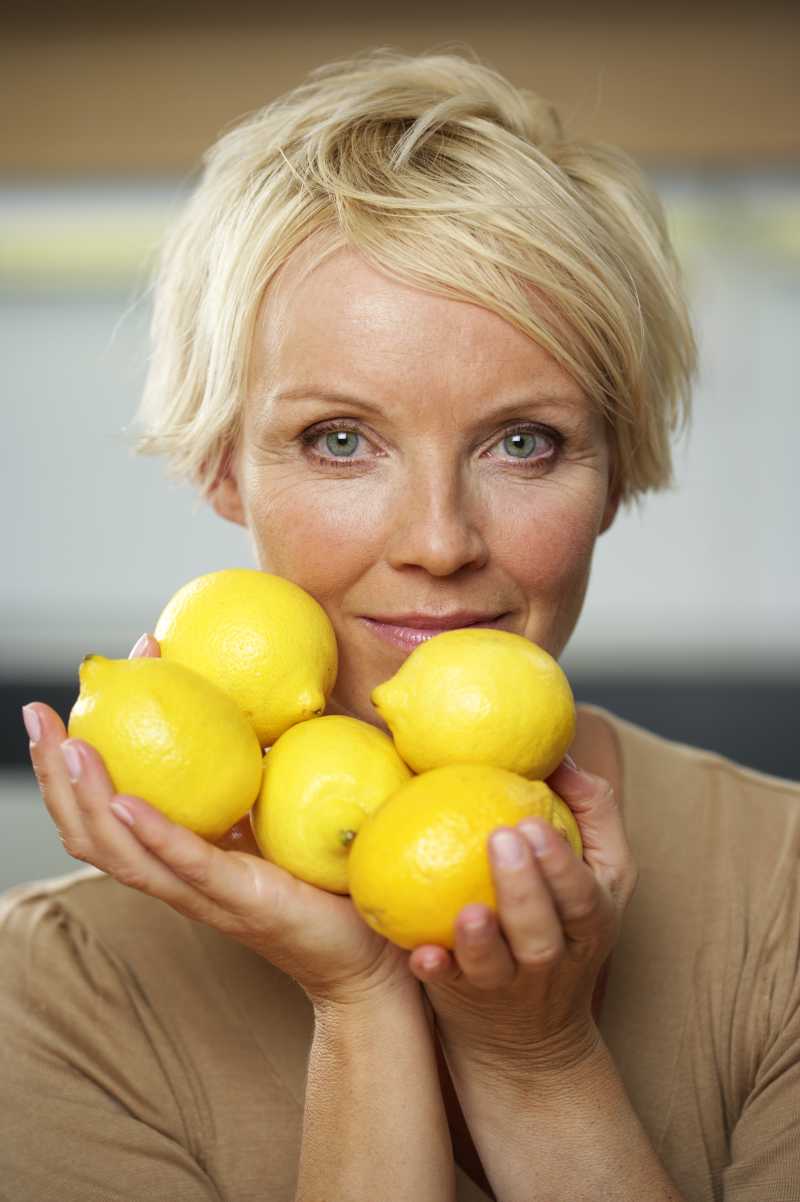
[549, 528]
[547, 549]
[308, 531]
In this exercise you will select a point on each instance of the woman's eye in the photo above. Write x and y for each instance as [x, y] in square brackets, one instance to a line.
[334, 445]
[528, 444]
[341, 443]
[340, 446]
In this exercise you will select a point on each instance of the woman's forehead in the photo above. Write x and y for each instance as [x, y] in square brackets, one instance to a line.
[343, 315]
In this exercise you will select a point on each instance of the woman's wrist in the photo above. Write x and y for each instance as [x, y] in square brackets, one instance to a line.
[551, 1067]
[362, 1002]
[581, 1108]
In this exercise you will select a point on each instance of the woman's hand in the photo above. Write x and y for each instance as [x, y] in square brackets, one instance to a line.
[316, 937]
[515, 996]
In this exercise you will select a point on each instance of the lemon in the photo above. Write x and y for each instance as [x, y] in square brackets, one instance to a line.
[262, 639]
[478, 696]
[423, 855]
[171, 737]
[321, 779]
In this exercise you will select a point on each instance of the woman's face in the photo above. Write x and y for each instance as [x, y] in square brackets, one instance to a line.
[409, 459]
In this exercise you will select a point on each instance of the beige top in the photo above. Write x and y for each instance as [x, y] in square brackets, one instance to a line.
[145, 1057]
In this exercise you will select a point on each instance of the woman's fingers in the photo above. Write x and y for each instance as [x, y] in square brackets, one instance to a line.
[146, 646]
[582, 908]
[481, 951]
[46, 733]
[154, 855]
[231, 882]
[528, 916]
[526, 931]
[481, 954]
[605, 844]
[547, 900]
[139, 846]
[78, 793]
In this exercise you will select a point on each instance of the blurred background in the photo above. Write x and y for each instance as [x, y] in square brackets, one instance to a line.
[692, 623]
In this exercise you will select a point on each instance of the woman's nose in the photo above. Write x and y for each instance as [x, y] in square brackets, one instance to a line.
[435, 527]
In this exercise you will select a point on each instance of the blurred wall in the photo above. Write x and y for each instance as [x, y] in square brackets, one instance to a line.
[143, 89]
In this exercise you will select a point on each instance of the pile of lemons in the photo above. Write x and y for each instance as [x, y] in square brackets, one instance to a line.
[230, 720]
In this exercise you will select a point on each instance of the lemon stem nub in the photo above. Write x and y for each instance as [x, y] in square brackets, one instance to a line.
[346, 837]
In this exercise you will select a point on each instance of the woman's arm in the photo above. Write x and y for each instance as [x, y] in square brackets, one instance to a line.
[374, 1125]
[572, 1135]
[545, 1106]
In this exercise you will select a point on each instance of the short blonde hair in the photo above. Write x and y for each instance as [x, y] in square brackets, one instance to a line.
[445, 176]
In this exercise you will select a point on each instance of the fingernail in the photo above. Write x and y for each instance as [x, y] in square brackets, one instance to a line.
[537, 835]
[571, 766]
[138, 646]
[122, 812]
[73, 759]
[33, 723]
[507, 849]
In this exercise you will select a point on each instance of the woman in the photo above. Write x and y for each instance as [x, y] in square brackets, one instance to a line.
[421, 344]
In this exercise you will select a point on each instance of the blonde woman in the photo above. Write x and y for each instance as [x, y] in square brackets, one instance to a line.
[421, 343]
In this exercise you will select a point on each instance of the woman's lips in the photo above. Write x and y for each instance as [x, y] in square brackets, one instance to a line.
[409, 637]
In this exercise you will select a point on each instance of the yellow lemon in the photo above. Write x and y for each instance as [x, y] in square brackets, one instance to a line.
[168, 735]
[478, 696]
[423, 855]
[260, 638]
[321, 779]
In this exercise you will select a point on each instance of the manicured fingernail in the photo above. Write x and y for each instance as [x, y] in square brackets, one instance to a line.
[73, 759]
[507, 849]
[122, 812]
[138, 646]
[568, 760]
[33, 723]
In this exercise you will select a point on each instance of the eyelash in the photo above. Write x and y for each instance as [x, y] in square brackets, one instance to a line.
[309, 437]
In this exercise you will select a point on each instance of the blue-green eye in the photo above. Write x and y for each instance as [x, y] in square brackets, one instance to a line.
[531, 446]
[520, 444]
[342, 443]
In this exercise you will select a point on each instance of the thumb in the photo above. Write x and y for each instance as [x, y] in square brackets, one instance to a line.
[594, 805]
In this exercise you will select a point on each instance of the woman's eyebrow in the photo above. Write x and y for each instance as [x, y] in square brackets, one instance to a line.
[333, 396]
[549, 399]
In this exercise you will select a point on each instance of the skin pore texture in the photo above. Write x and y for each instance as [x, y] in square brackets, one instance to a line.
[404, 452]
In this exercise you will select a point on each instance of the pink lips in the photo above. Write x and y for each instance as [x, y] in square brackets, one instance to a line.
[409, 630]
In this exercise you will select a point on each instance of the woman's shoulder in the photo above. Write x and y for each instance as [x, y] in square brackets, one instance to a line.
[702, 1007]
[652, 766]
[89, 907]
[707, 833]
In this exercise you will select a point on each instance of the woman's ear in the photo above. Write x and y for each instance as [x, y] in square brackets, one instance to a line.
[226, 499]
[614, 494]
[610, 511]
